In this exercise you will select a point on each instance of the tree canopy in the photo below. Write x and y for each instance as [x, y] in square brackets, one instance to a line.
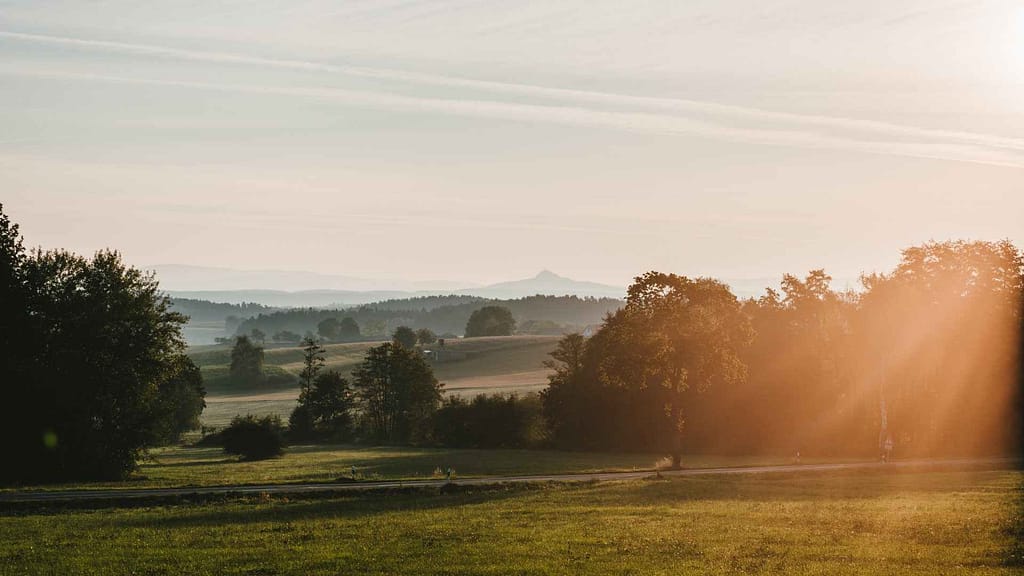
[404, 336]
[96, 373]
[490, 321]
[397, 392]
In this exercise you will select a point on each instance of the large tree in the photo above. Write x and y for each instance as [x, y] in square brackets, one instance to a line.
[941, 333]
[627, 386]
[100, 373]
[398, 393]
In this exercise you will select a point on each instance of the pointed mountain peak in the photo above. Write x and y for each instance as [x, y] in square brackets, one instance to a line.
[547, 275]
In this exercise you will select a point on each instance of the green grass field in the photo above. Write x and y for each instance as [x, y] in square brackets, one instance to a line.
[483, 365]
[853, 522]
[190, 466]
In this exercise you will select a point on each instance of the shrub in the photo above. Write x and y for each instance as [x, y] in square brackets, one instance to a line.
[254, 438]
[495, 421]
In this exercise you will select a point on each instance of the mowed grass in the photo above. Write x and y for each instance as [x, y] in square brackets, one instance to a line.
[489, 365]
[888, 522]
[192, 466]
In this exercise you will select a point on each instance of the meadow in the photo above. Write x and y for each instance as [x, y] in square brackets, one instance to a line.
[894, 522]
[209, 466]
[477, 365]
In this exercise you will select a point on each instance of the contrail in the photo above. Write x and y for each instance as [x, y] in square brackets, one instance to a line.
[579, 96]
[638, 122]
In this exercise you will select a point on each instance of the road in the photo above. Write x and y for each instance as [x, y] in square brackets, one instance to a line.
[77, 496]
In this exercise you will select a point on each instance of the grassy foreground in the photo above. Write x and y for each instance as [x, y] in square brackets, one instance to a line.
[867, 522]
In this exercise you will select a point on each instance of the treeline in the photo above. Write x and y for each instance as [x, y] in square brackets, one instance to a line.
[392, 397]
[92, 365]
[926, 356]
[205, 311]
[546, 314]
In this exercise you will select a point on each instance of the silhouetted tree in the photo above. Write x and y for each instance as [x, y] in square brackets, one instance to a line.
[254, 438]
[301, 420]
[94, 364]
[397, 392]
[490, 321]
[627, 385]
[325, 410]
[257, 335]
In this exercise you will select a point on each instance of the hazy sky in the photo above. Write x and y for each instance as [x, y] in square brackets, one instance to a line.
[485, 140]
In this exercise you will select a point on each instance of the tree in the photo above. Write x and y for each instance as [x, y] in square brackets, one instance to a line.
[312, 362]
[301, 421]
[325, 411]
[254, 438]
[398, 393]
[941, 331]
[329, 329]
[348, 329]
[19, 345]
[93, 364]
[676, 333]
[627, 386]
[182, 396]
[404, 336]
[490, 321]
[246, 361]
[258, 335]
[425, 336]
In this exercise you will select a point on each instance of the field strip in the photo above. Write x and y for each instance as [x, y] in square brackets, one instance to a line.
[72, 496]
[511, 380]
[504, 382]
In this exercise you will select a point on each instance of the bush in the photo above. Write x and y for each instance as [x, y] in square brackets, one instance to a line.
[495, 421]
[254, 438]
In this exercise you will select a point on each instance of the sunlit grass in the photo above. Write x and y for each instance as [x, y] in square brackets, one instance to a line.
[851, 522]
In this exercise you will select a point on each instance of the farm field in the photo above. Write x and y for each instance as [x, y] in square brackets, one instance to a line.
[481, 365]
[202, 466]
[844, 522]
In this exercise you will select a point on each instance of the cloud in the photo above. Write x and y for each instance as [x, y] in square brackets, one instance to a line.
[642, 114]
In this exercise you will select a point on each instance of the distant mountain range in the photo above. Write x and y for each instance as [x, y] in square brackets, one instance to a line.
[546, 283]
[291, 289]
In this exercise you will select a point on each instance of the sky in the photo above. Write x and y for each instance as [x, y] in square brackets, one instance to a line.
[480, 141]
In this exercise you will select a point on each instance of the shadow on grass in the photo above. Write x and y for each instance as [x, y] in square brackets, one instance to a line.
[788, 487]
[283, 509]
[191, 463]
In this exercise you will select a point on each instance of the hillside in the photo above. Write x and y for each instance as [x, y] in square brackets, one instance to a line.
[474, 366]
[551, 315]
